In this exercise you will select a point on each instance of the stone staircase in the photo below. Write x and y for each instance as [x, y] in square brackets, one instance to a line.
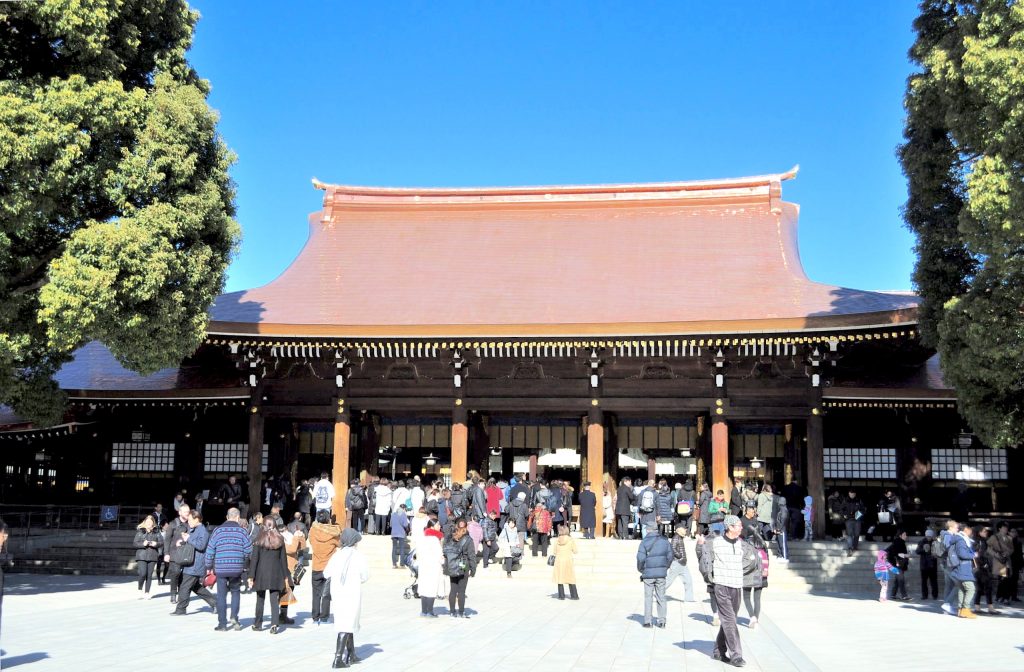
[824, 567]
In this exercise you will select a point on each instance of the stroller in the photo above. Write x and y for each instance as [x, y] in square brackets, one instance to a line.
[413, 565]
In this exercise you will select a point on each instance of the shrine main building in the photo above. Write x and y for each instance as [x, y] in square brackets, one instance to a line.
[569, 331]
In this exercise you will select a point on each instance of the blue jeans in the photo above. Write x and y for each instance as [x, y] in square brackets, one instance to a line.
[225, 584]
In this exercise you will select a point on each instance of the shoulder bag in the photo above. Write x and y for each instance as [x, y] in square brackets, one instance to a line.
[184, 555]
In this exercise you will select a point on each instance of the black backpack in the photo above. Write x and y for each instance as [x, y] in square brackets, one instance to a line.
[354, 501]
[454, 560]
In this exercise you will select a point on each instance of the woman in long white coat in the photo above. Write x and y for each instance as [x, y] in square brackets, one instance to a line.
[347, 571]
[430, 561]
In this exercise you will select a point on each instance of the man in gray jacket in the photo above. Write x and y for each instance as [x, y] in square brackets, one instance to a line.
[726, 554]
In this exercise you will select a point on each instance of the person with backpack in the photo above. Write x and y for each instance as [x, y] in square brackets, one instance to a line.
[718, 509]
[960, 561]
[459, 566]
[647, 513]
[929, 565]
[539, 526]
[951, 587]
[457, 503]
[355, 502]
[685, 505]
[664, 509]
[323, 493]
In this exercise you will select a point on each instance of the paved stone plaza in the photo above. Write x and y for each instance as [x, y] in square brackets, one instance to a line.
[95, 623]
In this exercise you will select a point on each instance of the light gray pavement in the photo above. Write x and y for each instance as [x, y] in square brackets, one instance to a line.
[92, 623]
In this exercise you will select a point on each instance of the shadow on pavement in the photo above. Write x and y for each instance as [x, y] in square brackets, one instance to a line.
[23, 585]
[366, 651]
[705, 646]
[13, 661]
[703, 618]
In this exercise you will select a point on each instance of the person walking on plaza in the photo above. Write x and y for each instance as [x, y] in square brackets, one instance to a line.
[172, 536]
[950, 587]
[539, 525]
[883, 571]
[852, 512]
[623, 501]
[653, 559]
[726, 559]
[323, 541]
[399, 535]
[294, 547]
[564, 549]
[489, 540]
[191, 575]
[678, 567]
[755, 576]
[704, 509]
[347, 571]
[150, 544]
[899, 555]
[983, 576]
[459, 566]
[588, 511]
[430, 563]
[519, 511]
[510, 545]
[1000, 549]
[323, 493]
[269, 573]
[226, 555]
[961, 561]
[928, 565]
[355, 504]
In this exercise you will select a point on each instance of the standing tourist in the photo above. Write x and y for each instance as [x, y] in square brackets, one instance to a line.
[304, 501]
[883, 570]
[430, 562]
[191, 574]
[899, 555]
[381, 506]
[519, 511]
[294, 546]
[929, 565]
[765, 501]
[983, 577]
[323, 541]
[355, 504]
[269, 573]
[852, 512]
[172, 536]
[565, 569]
[226, 555]
[588, 511]
[399, 534]
[323, 493]
[678, 567]
[230, 493]
[653, 559]
[755, 576]
[510, 545]
[961, 560]
[489, 540]
[834, 507]
[704, 509]
[727, 569]
[607, 510]
[347, 571]
[951, 587]
[150, 543]
[623, 503]
[808, 514]
[459, 565]
[539, 524]
[718, 509]
[664, 508]
[1000, 549]
[780, 526]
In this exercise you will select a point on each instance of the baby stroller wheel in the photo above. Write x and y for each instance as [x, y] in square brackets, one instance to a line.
[407, 594]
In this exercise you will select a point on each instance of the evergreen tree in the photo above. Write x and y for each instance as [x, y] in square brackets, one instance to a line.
[116, 209]
[964, 161]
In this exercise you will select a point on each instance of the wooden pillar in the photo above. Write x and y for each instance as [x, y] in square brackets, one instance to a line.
[652, 467]
[816, 470]
[254, 466]
[720, 456]
[533, 467]
[595, 460]
[340, 467]
[460, 443]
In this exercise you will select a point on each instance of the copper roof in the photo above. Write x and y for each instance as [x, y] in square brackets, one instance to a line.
[668, 258]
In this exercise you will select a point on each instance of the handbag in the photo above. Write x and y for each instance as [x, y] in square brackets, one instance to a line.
[551, 561]
[184, 555]
[300, 571]
[884, 517]
[209, 580]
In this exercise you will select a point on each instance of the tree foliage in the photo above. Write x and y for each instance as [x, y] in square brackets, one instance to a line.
[964, 161]
[116, 209]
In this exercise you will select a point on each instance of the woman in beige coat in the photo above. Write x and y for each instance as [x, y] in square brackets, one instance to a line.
[565, 570]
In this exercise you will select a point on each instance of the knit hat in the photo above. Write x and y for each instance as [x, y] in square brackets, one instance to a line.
[350, 537]
[929, 533]
[521, 496]
[731, 520]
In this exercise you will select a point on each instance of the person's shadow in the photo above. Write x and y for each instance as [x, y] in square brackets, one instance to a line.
[24, 659]
[705, 646]
[366, 651]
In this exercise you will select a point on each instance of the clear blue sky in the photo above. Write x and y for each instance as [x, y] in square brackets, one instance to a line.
[519, 93]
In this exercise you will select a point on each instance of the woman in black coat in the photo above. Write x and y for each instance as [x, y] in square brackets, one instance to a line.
[588, 511]
[150, 544]
[269, 572]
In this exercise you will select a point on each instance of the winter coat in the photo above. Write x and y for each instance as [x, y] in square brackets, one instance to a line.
[851, 507]
[173, 534]
[519, 512]
[718, 509]
[494, 496]
[654, 557]
[703, 502]
[752, 577]
[508, 542]
[400, 496]
[736, 501]
[624, 500]
[489, 528]
[382, 500]
[355, 500]
[477, 502]
[588, 509]
[463, 547]
[148, 553]
[924, 552]
[960, 559]
[897, 547]
[679, 549]
[565, 570]
[430, 565]
[1000, 550]
[228, 549]
[323, 540]
[982, 563]
[664, 505]
[764, 508]
[539, 521]
[198, 538]
[347, 571]
[556, 506]
[458, 503]
[295, 543]
[399, 525]
[269, 568]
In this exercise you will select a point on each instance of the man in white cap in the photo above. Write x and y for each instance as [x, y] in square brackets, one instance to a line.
[727, 569]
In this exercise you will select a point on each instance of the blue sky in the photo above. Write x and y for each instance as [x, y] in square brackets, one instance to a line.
[519, 93]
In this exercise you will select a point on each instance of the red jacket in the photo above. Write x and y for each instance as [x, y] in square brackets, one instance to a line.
[493, 499]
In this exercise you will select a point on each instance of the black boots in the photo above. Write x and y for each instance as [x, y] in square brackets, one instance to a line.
[284, 616]
[573, 595]
[345, 650]
[341, 651]
[561, 592]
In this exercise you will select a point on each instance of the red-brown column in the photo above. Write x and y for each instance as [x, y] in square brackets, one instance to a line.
[533, 467]
[595, 459]
[342, 436]
[460, 444]
[816, 471]
[254, 467]
[720, 456]
[652, 467]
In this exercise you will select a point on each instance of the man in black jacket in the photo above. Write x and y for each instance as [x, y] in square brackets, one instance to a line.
[852, 512]
[624, 499]
[171, 537]
[653, 559]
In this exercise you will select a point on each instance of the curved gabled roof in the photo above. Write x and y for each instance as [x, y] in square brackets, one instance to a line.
[654, 259]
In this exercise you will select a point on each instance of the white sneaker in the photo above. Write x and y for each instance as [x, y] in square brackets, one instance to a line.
[148, 596]
[948, 609]
[714, 621]
[753, 623]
